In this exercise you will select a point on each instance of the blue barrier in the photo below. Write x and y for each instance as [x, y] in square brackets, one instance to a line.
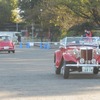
[48, 45]
[27, 45]
[41, 45]
[45, 46]
[20, 45]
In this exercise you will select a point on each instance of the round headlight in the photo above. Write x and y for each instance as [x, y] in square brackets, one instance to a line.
[82, 61]
[93, 61]
[76, 52]
[98, 51]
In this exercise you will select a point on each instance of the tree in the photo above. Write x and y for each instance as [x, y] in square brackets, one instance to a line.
[27, 6]
[6, 11]
[87, 9]
[61, 13]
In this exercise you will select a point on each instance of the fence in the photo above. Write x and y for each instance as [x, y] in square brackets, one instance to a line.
[41, 45]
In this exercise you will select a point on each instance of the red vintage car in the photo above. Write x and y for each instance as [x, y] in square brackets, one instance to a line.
[6, 44]
[80, 54]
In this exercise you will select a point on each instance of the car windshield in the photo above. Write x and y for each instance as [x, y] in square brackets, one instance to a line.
[5, 38]
[84, 41]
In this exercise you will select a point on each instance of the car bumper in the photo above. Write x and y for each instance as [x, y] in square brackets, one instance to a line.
[83, 65]
[85, 68]
[10, 49]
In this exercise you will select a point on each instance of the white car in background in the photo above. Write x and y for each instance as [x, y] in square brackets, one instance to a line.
[13, 34]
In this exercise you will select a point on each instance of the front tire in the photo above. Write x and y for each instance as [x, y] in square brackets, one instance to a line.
[13, 51]
[8, 51]
[65, 71]
[95, 71]
[58, 71]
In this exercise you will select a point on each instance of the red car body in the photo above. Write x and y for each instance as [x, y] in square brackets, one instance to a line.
[6, 44]
[77, 54]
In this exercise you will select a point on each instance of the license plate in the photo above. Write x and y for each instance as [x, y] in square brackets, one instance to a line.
[87, 69]
[6, 47]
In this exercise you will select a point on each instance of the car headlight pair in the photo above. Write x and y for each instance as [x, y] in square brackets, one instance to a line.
[82, 61]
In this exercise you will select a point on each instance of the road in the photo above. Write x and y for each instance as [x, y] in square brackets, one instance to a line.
[29, 75]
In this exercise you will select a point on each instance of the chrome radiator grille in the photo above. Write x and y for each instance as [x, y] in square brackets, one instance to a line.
[86, 54]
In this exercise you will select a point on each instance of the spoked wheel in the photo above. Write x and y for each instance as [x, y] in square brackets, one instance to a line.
[65, 70]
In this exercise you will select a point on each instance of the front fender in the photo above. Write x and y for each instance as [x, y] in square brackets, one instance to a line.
[57, 58]
[98, 58]
[69, 57]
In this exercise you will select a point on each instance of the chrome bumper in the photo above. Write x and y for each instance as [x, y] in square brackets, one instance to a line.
[83, 65]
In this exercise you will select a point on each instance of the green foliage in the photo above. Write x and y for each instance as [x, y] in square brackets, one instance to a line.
[5, 11]
[61, 13]
[96, 32]
[87, 9]
[6, 7]
[27, 4]
[27, 7]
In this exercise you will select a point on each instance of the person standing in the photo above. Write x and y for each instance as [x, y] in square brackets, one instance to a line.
[19, 38]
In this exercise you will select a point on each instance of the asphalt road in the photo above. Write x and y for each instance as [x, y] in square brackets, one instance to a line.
[29, 75]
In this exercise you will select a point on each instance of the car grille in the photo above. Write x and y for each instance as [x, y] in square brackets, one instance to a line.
[86, 54]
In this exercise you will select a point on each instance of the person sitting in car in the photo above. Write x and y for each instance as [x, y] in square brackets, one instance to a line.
[88, 33]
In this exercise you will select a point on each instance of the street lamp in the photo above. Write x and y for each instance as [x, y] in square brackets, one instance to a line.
[33, 32]
[17, 19]
[41, 26]
[16, 26]
[41, 16]
[17, 22]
